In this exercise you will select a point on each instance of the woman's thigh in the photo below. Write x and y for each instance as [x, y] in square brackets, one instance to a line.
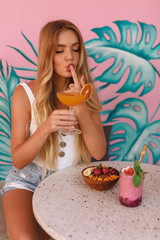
[20, 220]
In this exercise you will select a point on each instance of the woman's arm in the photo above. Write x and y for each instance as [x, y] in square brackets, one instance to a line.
[92, 130]
[90, 123]
[24, 148]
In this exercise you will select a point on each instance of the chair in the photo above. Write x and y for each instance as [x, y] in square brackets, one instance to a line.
[107, 132]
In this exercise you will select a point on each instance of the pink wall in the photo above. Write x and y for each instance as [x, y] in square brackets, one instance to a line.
[29, 16]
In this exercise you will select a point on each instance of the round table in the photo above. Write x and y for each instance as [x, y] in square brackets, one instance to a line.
[68, 209]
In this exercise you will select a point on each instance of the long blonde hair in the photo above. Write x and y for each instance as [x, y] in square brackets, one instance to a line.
[46, 100]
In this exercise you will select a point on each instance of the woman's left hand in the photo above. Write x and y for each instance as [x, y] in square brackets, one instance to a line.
[78, 84]
[89, 121]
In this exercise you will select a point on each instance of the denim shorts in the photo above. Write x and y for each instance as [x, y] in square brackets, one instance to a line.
[27, 178]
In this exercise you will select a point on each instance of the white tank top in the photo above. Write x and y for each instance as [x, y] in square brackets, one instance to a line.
[68, 155]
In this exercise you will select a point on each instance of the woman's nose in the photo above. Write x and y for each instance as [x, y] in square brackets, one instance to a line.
[69, 55]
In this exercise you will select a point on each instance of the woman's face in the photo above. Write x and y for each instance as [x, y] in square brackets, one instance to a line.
[67, 53]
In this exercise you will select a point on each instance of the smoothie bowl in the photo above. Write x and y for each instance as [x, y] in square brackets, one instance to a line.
[100, 177]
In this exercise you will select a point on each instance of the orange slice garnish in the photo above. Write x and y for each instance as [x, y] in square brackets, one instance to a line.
[87, 91]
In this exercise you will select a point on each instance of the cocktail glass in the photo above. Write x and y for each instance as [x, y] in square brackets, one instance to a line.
[71, 99]
[129, 195]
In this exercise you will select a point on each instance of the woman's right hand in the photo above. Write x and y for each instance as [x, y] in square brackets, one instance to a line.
[59, 120]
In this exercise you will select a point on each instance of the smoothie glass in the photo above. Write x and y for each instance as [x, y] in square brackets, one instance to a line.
[129, 195]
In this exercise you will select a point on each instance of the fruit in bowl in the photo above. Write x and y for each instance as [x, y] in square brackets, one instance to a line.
[100, 177]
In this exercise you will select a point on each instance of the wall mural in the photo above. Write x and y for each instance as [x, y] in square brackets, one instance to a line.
[130, 60]
[127, 141]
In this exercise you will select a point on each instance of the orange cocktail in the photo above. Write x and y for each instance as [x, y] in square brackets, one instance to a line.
[73, 98]
[70, 98]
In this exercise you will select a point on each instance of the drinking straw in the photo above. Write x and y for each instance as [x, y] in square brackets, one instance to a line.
[143, 152]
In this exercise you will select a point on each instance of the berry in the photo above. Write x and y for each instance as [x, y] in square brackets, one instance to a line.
[130, 171]
[105, 170]
[97, 171]
[126, 172]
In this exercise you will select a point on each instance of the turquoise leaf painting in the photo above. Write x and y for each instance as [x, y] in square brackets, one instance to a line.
[127, 54]
[28, 59]
[8, 82]
[127, 140]
[130, 57]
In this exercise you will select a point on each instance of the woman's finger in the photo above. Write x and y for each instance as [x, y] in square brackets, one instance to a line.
[75, 78]
[60, 112]
[82, 81]
[66, 123]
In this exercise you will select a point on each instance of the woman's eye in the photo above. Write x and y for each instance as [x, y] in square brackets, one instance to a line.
[59, 51]
[76, 50]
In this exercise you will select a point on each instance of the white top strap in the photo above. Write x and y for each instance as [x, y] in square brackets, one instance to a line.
[28, 91]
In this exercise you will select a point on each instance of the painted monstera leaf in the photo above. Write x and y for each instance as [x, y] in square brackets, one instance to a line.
[127, 140]
[129, 54]
[8, 82]
[28, 59]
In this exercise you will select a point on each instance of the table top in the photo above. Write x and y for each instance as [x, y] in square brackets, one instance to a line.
[68, 209]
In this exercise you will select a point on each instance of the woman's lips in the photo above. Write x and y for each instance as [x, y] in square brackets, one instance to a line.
[69, 67]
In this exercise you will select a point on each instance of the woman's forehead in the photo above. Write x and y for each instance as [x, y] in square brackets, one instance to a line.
[66, 36]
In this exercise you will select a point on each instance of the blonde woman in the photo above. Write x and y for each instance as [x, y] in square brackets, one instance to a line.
[37, 147]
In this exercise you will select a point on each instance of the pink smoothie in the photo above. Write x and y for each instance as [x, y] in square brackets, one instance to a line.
[129, 195]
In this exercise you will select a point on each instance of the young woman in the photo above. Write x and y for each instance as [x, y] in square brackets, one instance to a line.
[37, 147]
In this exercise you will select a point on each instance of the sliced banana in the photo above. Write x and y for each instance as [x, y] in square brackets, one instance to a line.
[87, 172]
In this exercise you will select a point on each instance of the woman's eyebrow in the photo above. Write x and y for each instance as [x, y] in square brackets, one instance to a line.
[63, 45]
[77, 43]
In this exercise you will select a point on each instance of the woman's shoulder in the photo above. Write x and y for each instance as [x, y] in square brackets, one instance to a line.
[33, 86]
[19, 100]
[20, 96]
[18, 92]
[20, 89]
